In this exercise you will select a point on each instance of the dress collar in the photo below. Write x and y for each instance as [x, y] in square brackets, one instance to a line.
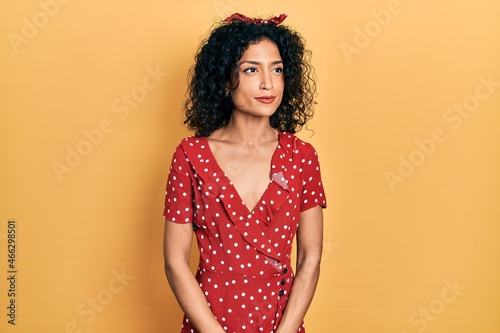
[251, 225]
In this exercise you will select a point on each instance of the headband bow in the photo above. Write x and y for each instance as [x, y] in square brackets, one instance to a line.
[239, 17]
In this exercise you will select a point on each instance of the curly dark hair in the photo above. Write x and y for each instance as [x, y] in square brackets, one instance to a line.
[208, 107]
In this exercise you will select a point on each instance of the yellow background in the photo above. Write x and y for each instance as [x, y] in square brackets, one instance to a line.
[416, 254]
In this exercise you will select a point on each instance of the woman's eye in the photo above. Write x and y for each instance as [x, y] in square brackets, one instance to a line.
[250, 70]
[278, 70]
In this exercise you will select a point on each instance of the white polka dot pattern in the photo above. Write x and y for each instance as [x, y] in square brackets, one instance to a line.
[244, 265]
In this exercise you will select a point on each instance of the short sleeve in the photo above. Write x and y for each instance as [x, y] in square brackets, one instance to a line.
[313, 193]
[179, 190]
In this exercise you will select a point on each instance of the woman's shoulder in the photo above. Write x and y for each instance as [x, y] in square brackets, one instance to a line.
[297, 144]
[187, 146]
[190, 142]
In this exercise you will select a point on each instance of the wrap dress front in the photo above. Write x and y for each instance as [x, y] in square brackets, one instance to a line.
[244, 267]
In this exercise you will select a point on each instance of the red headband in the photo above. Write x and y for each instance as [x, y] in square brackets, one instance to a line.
[239, 17]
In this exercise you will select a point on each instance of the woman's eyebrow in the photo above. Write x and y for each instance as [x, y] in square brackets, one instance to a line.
[253, 62]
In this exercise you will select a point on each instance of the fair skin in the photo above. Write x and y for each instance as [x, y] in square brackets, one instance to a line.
[251, 141]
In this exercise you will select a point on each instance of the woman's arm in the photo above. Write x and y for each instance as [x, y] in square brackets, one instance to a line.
[176, 249]
[309, 248]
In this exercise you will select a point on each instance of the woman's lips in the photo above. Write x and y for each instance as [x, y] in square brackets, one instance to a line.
[266, 99]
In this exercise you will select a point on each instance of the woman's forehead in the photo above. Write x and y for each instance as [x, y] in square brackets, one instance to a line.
[262, 50]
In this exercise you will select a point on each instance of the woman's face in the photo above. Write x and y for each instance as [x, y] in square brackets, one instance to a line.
[261, 82]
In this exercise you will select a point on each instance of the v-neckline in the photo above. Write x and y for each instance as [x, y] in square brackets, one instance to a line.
[272, 164]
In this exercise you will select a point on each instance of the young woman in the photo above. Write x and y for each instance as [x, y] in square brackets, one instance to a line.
[245, 185]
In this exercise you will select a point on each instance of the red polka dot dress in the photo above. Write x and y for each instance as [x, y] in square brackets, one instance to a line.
[244, 267]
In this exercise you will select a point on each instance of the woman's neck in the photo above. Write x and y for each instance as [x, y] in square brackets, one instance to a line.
[246, 131]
